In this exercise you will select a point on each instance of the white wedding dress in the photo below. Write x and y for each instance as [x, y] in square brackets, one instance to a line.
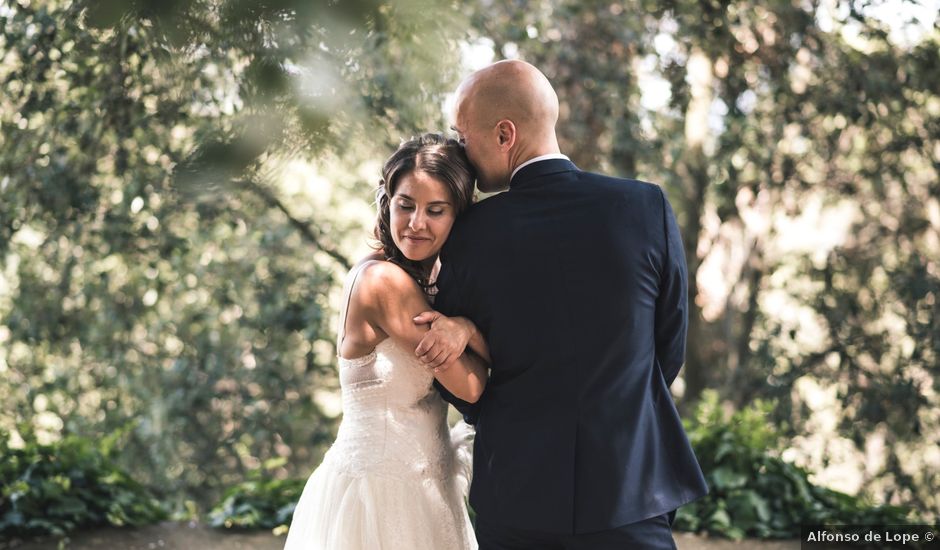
[396, 477]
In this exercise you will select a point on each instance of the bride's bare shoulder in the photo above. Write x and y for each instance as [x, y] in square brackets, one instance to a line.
[381, 279]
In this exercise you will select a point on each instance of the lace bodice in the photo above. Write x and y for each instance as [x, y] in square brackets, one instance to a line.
[394, 421]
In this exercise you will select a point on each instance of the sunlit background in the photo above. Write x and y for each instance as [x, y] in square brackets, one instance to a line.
[183, 186]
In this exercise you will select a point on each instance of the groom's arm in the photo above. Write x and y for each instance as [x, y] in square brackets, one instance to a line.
[672, 304]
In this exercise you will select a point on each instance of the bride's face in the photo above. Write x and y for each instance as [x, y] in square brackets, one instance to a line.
[421, 216]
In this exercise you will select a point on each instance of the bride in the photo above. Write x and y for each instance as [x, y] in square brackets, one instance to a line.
[395, 478]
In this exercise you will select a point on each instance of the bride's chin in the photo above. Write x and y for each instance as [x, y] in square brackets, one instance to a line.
[420, 258]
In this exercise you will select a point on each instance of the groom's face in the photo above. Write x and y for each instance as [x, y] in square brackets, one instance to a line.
[481, 146]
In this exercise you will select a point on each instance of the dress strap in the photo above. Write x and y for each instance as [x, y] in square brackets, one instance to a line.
[346, 299]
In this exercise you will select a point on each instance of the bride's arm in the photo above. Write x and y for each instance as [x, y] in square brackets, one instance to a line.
[391, 300]
[447, 338]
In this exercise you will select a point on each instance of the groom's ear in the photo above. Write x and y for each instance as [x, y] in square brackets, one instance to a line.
[506, 134]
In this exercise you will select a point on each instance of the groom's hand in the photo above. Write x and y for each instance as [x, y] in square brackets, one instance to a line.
[445, 340]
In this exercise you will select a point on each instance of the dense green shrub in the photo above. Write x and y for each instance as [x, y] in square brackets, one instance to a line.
[753, 492]
[72, 483]
[260, 502]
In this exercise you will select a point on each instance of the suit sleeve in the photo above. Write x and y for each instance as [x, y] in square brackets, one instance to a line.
[450, 300]
[672, 304]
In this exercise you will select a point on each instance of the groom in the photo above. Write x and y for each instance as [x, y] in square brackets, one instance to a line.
[578, 283]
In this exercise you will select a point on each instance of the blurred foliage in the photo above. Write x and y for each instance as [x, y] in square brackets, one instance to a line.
[182, 183]
[153, 266]
[260, 502]
[69, 484]
[798, 143]
[753, 492]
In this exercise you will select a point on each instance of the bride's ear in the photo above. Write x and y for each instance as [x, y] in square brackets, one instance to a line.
[505, 134]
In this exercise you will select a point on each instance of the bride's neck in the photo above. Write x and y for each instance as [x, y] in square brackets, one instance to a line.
[430, 268]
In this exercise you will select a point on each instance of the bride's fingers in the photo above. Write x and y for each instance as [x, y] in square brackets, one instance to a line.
[426, 344]
[435, 359]
[429, 353]
[426, 317]
[444, 365]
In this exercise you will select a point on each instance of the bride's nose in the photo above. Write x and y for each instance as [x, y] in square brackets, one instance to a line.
[417, 222]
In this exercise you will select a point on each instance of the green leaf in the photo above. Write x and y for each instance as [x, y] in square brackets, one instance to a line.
[725, 478]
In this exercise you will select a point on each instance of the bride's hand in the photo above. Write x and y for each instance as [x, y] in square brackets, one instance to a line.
[446, 339]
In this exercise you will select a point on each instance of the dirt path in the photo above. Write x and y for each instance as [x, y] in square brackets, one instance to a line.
[181, 536]
[688, 541]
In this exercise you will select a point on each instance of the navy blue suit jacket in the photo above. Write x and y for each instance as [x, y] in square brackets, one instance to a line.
[579, 283]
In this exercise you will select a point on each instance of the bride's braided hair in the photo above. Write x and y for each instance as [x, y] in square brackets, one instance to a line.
[437, 156]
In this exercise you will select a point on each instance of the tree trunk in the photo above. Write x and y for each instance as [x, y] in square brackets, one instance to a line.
[693, 171]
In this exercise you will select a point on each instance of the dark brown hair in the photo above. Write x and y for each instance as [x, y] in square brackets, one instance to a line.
[437, 156]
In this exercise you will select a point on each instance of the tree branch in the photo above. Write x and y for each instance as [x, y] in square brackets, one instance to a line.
[306, 228]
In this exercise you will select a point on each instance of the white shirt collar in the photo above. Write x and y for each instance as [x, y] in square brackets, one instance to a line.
[536, 159]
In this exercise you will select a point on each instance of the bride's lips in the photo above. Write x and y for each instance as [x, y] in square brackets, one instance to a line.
[414, 238]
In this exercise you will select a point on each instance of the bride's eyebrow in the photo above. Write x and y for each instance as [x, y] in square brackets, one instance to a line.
[432, 203]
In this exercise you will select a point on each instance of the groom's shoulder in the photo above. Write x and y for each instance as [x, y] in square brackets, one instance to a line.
[617, 183]
[628, 188]
[482, 211]
[476, 223]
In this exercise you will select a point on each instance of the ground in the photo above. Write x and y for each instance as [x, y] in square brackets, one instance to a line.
[182, 536]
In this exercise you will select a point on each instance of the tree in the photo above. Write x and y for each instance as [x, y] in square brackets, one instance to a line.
[155, 270]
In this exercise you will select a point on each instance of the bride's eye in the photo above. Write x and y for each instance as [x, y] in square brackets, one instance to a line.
[405, 206]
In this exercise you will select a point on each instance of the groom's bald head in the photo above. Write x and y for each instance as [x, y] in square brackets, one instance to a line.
[514, 90]
[507, 113]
